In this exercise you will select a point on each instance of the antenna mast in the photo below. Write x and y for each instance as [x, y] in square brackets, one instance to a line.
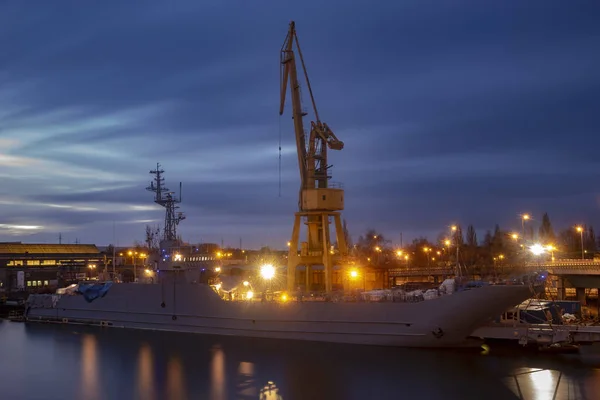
[169, 201]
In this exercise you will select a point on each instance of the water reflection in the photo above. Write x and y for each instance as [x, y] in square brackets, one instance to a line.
[270, 392]
[246, 384]
[175, 380]
[543, 384]
[217, 374]
[116, 364]
[145, 384]
[89, 388]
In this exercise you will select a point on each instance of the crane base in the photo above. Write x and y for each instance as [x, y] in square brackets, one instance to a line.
[317, 249]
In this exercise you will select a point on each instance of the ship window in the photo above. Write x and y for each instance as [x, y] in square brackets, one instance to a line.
[10, 263]
[28, 283]
[45, 283]
[39, 283]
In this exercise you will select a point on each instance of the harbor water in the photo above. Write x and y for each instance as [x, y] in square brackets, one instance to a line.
[48, 362]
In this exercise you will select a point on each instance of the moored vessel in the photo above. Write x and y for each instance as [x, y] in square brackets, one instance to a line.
[444, 320]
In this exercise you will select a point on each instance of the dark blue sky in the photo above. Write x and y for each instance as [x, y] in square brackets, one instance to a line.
[461, 111]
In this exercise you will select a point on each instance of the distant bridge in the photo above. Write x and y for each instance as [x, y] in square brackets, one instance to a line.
[568, 267]
[557, 267]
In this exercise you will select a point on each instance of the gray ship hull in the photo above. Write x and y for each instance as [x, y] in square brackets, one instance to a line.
[446, 321]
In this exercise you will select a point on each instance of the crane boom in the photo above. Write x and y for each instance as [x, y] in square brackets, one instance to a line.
[318, 202]
[312, 161]
[288, 71]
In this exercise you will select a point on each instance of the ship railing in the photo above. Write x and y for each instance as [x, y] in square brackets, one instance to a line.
[383, 296]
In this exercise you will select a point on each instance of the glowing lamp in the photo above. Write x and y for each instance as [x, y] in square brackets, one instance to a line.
[537, 249]
[267, 271]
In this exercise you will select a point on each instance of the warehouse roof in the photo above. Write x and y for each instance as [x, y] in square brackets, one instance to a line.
[27, 248]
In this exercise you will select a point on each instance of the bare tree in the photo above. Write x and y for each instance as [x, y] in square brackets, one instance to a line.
[152, 237]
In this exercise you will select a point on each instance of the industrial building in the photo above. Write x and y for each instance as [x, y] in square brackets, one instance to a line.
[31, 268]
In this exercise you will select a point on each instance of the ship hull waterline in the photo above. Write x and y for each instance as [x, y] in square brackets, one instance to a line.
[446, 321]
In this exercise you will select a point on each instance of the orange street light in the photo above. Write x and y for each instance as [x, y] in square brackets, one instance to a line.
[580, 230]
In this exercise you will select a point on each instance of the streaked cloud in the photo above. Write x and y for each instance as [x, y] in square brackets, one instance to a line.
[458, 111]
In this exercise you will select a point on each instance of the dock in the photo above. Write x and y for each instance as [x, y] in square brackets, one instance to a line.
[541, 335]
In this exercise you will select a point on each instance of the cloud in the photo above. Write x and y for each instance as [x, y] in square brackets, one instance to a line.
[453, 111]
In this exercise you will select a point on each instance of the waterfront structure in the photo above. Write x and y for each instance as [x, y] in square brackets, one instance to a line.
[320, 201]
[26, 267]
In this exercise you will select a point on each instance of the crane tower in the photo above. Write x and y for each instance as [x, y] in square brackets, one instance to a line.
[319, 199]
[169, 201]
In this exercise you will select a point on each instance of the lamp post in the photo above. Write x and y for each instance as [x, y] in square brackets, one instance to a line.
[524, 217]
[551, 249]
[580, 230]
[454, 233]
[267, 271]
[427, 250]
[378, 251]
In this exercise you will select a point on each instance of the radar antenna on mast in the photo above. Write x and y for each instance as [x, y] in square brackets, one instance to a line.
[169, 201]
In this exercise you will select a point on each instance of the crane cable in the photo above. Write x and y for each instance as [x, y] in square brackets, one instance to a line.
[280, 156]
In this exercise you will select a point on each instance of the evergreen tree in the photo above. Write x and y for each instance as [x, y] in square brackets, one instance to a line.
[471, 236]
[347, 235]
[488, 240]
[546, 232]
[470, 253]
[458, 237]
[590, 244]
[497, 241]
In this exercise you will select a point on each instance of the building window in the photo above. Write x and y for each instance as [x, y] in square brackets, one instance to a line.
[45, 283]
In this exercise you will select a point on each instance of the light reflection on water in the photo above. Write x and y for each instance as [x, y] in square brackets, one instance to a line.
[89, 368]
[145, 369]
[61, 362]
[217, 370]
[175, 379]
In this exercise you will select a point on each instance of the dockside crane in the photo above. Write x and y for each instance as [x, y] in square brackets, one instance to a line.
[319, 199]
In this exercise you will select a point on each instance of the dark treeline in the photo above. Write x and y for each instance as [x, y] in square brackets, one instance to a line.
[497, 247]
